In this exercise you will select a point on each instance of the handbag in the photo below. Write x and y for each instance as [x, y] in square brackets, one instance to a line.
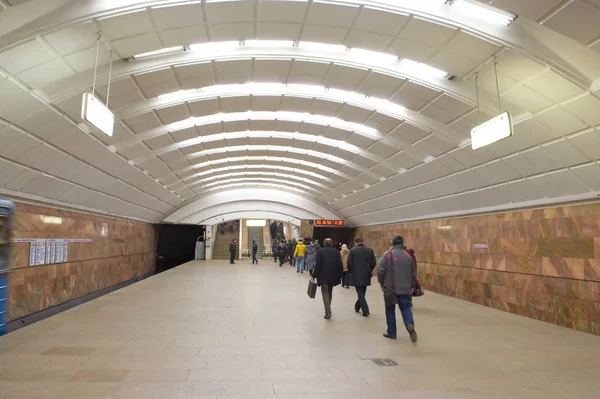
[389, 293]
[418, 291]
[312, 288]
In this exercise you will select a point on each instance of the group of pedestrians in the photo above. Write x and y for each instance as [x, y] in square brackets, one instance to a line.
[396, 274]
[329, 267]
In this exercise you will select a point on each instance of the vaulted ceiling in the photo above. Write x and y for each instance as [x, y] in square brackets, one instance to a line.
[354, 109]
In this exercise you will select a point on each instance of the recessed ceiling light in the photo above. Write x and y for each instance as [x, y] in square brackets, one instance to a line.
[159, 52]
[482, 11]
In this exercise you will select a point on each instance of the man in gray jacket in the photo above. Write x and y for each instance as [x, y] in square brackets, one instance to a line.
[397, 271]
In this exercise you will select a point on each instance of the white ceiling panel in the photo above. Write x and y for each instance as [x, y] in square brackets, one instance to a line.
[178, 16]
[127, 25]
[587, 143]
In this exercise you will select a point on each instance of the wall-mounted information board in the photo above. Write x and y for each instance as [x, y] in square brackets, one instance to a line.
[47, 251]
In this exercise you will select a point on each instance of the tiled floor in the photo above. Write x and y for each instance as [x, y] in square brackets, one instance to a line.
[211, 330]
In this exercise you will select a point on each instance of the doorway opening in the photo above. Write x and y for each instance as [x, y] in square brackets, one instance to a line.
[176, 244]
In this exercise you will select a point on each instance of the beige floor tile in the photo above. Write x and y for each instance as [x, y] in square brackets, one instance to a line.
[222, 388]
[226, 375]
[162, 375]
[310, 374]
[240, 341]
[322, 386]
[133, 389]
[70, 351]
[99, 375]
[92, 388]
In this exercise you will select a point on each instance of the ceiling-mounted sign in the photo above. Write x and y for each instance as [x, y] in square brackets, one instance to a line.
[495, 129]
[97, 114]
[328, 223]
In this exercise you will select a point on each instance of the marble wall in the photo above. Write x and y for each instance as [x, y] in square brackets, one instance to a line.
[127, 251]
[543, 264]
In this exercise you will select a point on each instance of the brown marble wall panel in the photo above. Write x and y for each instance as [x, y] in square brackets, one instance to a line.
[126, 252]
[541, 263]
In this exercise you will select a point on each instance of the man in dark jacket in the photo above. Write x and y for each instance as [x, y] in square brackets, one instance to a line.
[396, 271]
[232, 248]
[254, 251]
[291, 250]
[328, 272]
[361, 262]
[275, 249]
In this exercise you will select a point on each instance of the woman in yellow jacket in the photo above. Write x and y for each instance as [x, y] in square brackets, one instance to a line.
[299, 253]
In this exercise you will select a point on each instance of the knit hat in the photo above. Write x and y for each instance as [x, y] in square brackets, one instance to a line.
[344, 246]
[398, 240]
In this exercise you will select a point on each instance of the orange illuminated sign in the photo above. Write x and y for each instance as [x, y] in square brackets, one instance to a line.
[329, 223]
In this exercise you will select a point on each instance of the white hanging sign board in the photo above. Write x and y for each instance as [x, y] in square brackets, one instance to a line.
[495, 129]
[97, 114]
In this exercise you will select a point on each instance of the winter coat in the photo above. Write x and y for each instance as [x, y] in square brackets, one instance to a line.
[300, 249]
[292, 248]
[405, 271]
[317, 246]
[329, 268]
[311, 257]
[281, 250]
[254, 248]
[344, 253]
[232, 246]
[361, 263]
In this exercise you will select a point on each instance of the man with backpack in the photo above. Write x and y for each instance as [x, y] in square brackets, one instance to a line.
[397, 275]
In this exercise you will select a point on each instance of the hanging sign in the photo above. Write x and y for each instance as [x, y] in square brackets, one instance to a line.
[494, 130]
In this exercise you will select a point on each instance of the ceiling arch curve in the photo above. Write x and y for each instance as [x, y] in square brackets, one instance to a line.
[267, 148]
[384, 107]
[221, 212]
[264, 168]
[298, 163]
[251, 214]
[44, 16]
[271, 134]
[321, 120]
[266, 196]
[221, 178]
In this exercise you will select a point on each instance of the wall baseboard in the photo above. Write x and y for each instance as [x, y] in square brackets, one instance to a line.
[46, 313]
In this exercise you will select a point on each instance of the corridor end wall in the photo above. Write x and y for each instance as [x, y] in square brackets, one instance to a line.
[125, 253]
[542, 263]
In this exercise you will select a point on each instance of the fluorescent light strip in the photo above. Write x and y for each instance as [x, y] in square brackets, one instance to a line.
[361, 56]
[270, 134]
[276, 160]
[246, 174]
[284, 183]
[245, 116]
[259, 167]
[159, 52]
[300, 151]
[253, 185]
[482, 11]
[422, 70]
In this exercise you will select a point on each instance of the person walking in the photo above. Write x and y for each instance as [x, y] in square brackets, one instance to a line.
[232, 249]
[254, 252]
[317, 245]
[292, 250]
[310, 256]
[281, 251]
[274, 250]
[397, 275]
[344, 252]
[298, 255]
[361, 263]
[328, 273]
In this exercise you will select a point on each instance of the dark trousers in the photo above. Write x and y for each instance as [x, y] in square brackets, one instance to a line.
[327, 294]
[407, 315]
[275, 256]
[281, 260]
[254, 258]
[232, 257]
[361, 303]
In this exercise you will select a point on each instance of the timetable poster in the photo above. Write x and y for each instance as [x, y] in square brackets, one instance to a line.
[40, 252]
[48, 252]
[66, 251]
[53, 252]
[59, 251]
[32, 252]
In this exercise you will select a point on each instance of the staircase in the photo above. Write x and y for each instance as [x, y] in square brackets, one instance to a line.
[256, 234]
[220, 249]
